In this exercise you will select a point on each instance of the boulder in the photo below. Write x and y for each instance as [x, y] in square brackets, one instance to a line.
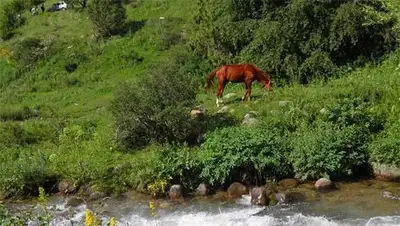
[66, 187]
[324, 184]
[250, 118]
[96, 196]
[284, 103]
[175, 192]
[198, 111]
[74, 201]
[259, 196]
[290, 197]
[236, 190]
[386, 173]
[288, 183]
[224, 109]
[202, 189]
[229, 95]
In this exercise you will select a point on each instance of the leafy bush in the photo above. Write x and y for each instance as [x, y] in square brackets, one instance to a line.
[179, 165]
[24, 171]
[155, 108]
[385, 148]
[107, 16]
[17, 113]
[11, 18]
[261, 153]
[347, 112]
[29, 51]
[329, 150]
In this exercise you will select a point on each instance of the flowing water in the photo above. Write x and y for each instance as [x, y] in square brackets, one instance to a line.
[366, 203]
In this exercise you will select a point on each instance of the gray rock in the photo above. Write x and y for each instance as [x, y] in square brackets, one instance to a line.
[290, 197]
[288, 183]
[259, 196]
[236, 190]
[284, 103]
[229, 95]
[96, 196]
[202, 189]
[324, 184]
[66, 187]
[224, 109]
[175, 192]
[387, 173]
[74, 201]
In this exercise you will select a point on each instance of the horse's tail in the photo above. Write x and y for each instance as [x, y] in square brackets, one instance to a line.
[210, 76]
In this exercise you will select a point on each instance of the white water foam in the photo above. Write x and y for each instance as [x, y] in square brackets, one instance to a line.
[245, 218]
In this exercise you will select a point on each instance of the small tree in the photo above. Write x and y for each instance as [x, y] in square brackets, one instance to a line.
[108, 17]
[11, 18]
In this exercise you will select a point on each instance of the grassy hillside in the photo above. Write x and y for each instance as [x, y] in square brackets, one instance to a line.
[56, 125]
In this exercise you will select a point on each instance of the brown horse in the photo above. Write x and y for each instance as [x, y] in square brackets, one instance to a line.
[247, 73]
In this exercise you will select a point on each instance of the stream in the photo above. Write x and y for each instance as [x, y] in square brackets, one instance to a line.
[369, 203]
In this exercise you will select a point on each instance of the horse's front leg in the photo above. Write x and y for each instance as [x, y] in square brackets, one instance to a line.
[220, 90]
[248, 92]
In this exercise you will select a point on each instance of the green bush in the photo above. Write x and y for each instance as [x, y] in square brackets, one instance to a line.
[348, 111]
[385, 148]
[17, 113]
[107, 16]
[11, 18]
[23, 172]
[179, 165]
[229, 153]
[155, 108]
[326, 150]
[29, 51]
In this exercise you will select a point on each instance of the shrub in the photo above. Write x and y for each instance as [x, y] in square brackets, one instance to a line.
[326, 150]
[179, 165]
[29, 51]
[11, 18]
[107, 16]
[155, 108]
[229, 153]
[23, 172]
[354, 111]
[385, 148]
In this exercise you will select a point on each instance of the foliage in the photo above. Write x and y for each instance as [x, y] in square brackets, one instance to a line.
[261, 153]
[385, 149]
[155, 108]
[11, 18]
[326, 150]
[180, 165]
[295, 40]
[107, 16]
[29, 51]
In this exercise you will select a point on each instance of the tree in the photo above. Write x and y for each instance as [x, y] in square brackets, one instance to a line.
[107, 16]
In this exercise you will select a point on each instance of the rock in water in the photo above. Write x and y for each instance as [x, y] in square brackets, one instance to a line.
[324, 184]
[236, 190]
[259, 196]
[202, 189]
[175, 192]
[66, 187]
[288, 183]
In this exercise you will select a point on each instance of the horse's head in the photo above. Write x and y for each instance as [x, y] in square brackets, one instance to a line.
[266, 81]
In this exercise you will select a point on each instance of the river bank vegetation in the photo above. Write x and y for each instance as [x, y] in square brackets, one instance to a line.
[105, 108]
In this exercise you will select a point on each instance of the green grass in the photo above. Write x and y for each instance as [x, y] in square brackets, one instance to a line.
[64, 100]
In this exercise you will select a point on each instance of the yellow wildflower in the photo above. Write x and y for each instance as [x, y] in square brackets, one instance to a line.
[89, 218]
